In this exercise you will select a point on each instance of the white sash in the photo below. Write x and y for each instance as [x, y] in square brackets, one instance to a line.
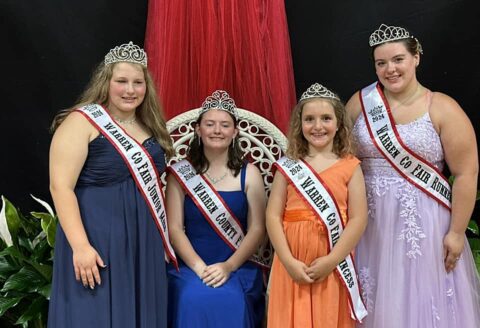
[314, 191]
[212, 206]
[410, 165]
[140, 165]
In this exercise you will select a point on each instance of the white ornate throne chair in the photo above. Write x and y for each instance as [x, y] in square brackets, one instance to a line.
[262, 142]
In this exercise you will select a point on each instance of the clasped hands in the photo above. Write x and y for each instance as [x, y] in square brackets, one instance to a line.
[317, 271]
[214, 275]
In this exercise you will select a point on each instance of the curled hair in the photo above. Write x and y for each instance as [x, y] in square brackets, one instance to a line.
[298, 145]
[149, 112]
[200, 162]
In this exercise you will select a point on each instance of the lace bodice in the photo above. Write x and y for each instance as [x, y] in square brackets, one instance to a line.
[419, 135]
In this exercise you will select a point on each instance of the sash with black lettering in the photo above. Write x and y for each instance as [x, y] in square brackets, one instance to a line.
[407, 163]
[213, 207]
[318, 196]
[141, 166]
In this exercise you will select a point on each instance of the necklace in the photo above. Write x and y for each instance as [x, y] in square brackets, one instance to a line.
[129, 121]
[403, 102]
[216, 180]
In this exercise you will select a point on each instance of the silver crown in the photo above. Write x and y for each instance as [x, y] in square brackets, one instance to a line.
[127, 52]
[387, 33]
[318, 91]
[219, 100]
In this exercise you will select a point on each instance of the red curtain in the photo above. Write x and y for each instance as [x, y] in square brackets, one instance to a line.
[240, 46]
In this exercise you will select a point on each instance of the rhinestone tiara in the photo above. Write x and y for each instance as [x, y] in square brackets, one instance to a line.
[387, 33]
[318, 91]
[219, 100]
[127, 52]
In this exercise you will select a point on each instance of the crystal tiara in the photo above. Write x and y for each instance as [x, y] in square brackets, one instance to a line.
[127, 52]
[318, 91]
[219, 100]
[387, 33]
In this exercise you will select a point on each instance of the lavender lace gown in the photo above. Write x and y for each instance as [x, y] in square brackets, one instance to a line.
[400, 257]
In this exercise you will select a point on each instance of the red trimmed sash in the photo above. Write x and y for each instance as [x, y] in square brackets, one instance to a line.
[140, 165]
[213, 207]
[318, 196]
[406, 162]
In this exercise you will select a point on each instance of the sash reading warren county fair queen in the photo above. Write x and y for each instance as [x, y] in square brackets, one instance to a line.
[140, 165]
[410, 165]
[317, 195]
[212, 206]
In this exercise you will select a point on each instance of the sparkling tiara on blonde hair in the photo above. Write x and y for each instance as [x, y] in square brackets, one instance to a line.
[318, 91]
[127, 52]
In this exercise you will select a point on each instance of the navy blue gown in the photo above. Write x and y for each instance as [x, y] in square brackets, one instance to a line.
[237, 303]
[133, 293]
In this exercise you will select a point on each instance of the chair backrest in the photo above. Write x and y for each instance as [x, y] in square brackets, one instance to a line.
[262, 142]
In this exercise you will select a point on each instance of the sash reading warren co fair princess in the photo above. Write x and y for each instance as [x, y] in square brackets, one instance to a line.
[141, 167]
[317, 195]
[410, 165]
[212, 206]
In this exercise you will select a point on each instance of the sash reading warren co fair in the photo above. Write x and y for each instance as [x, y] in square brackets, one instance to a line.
[140, 165]
[410, 165]
[212, 206]
[314, 191]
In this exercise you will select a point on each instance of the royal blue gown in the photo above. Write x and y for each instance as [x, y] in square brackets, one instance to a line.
[237, 303]
[133, 293]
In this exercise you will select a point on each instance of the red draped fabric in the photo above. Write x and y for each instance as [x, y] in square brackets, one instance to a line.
[240, 46]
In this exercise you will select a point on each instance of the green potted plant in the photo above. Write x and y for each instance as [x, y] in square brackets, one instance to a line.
[26, 253]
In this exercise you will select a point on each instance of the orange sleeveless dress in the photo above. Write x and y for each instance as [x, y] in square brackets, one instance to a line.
[321, 304]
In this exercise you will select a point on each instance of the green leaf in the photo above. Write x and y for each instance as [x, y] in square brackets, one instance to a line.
[13, 220]
[14, 253]
[473, 227]
[474, 244]
[41, 252]
[51, 231]
[476, 257]
[49, 225]
[30, 225]
[41, 215]
[7, 303]
[34, 310]
[44, 269]
[27, 279]
[26, 243]
[7, 267]
[45, 291]
[451, 179]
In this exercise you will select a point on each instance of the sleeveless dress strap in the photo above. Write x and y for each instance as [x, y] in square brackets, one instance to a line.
[243, 173]
[429, 100]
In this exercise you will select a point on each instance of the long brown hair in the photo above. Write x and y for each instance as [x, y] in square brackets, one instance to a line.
[149, 112]
[298, 145]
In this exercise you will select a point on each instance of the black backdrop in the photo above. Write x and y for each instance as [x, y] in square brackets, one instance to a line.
[50, 47]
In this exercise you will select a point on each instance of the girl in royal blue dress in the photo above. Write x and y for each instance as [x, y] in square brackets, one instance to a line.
[216, 285]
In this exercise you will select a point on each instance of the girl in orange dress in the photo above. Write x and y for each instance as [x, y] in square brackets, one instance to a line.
[305, 289]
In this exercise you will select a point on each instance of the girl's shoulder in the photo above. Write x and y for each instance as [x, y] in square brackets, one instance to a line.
[350, 160]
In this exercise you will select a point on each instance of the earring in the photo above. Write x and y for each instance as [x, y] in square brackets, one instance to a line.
[233, 143]
[199, 141]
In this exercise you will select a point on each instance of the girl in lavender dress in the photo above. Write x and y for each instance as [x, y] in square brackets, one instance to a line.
[414, 263]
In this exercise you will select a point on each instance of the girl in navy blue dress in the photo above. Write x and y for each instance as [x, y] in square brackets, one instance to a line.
[218, 284]
[109, 268]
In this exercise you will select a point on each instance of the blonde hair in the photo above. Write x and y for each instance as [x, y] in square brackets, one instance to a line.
[149, 112]
[298, 145]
